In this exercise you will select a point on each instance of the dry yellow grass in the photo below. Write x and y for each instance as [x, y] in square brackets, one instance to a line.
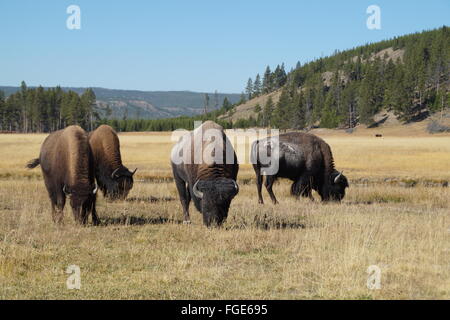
[297, 249]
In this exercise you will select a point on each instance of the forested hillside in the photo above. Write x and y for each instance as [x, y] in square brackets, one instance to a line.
[408, 75]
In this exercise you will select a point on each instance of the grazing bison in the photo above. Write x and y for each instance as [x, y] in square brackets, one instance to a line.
[205, 169]
[68, 168]
[306, 160]
[113, 178]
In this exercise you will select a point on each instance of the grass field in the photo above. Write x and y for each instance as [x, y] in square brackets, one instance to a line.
[295, 250]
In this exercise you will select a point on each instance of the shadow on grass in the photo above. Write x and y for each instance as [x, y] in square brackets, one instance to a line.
[150, 199]
[264, 223]
[136, 221]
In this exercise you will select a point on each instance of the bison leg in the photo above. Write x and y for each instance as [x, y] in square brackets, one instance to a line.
[58, 207]
[269, 184]
[259, 182]
[302, 187]
[84, 216]
[95, 219]
[185, 198]
[90, 209]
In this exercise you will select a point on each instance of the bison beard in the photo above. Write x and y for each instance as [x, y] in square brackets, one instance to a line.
[213, 198]
[117, 185]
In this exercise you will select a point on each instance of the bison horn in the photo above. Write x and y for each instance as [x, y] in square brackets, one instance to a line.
[67, 193]
[236, 186]
[338, 177]
[113, 175]
[95, 190]
[197, 192]
[132, 174]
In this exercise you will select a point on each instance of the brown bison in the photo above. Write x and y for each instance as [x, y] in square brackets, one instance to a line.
[205, 169]
[113, 178]
[303, 158]
[68, 169]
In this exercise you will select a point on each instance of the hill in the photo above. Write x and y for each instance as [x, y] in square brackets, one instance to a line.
[148, 104]
[407, 76]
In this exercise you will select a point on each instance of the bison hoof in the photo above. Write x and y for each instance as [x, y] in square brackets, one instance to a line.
[186, 222]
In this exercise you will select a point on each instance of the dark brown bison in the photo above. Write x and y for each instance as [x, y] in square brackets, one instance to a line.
[68, 169]
[113, 178]
[205, 169]
[303, 158]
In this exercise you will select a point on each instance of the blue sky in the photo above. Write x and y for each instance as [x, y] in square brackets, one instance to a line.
[188, 45]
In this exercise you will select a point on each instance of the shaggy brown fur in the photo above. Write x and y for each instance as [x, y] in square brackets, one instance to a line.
[217, 181]
[105, 147]
[68, 169]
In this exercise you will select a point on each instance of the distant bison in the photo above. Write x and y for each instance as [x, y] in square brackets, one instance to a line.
[378, 135]
[203, 172]
[113, 178]
[306, 160]
[68, 168]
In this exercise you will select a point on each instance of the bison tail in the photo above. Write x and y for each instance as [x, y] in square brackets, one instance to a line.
[33, 163]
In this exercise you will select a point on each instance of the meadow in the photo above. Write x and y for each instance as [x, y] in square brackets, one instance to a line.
[396, 216]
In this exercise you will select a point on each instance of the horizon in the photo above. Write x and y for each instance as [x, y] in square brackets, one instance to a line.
[43, 51]
[103, 88]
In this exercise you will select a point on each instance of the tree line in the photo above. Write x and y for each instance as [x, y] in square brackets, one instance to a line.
[46, 110]
[271, 80]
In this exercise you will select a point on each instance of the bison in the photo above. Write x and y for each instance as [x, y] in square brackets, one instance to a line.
[205, 170]
[303, 158]
[68, 169]
[113, 178]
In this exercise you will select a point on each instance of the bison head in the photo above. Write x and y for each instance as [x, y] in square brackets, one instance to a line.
[337, 186]
[82, 200]
[121, 184]
[215, 198]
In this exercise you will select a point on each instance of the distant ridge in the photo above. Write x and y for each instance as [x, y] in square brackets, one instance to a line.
[148, 104]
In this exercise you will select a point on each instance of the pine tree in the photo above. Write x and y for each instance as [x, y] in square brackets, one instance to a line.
[25, 107]
[249, 89]
[267, 81]
[267, 112]
[226, 104]
[282, 114]
[298, 109]
[88, 102]
[257, 86]
[206, 104]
